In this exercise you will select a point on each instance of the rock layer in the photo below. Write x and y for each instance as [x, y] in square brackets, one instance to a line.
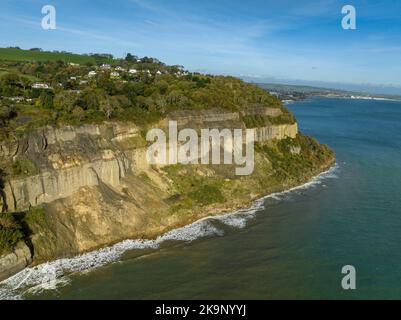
[16, 261]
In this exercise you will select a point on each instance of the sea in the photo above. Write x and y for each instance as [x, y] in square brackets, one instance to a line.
[290, 245]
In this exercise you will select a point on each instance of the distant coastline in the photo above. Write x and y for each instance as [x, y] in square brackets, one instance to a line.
[291, 93]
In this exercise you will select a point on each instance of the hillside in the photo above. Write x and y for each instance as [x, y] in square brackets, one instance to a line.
[14, 54]
[36, 93]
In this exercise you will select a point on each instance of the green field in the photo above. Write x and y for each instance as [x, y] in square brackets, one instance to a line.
[28, 55]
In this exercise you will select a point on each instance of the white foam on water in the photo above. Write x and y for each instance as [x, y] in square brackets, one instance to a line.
[240, 218]
[53, 275]
[318, 180]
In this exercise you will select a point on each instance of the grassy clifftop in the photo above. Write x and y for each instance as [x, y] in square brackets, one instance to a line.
[14, 54]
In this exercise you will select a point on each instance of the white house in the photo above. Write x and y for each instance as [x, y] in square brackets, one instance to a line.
[105, 66]
[73, 78]
[92, 74]
[41, 86]
[158, 72]
[114, 74]
[16, 99]
[133, 71]
[120, 68]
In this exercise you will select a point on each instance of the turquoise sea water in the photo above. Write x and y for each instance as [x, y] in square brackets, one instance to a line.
[292, 245]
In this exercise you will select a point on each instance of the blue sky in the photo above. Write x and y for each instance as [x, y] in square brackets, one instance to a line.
[286, 39]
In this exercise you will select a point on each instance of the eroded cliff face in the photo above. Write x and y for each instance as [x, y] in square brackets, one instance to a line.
[66, 160]
[278, 132]
[97, 187]
[70, 158]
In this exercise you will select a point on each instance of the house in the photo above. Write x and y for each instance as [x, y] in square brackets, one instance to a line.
[83, 82]
[41, 86]
[73, 78]
[16, 99]
[114, 74]
[75, 91]
[105, 66]
[92, 74]
[120, 68]
[133, 71]
[73, 64]
[158, 72]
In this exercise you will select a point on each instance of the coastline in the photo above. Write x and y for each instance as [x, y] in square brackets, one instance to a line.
[36, 279]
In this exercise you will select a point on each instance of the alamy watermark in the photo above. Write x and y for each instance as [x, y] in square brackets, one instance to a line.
[349, 280]
[49, 20]
[185, 147]
[349, 20]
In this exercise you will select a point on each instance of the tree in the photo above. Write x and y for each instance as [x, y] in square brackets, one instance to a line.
[131, 58]
[25, 83]
[6, 114]
[46, 100]
[89, 99]
[104, 82]
[108, 105]
[65, 101]
[10, 84]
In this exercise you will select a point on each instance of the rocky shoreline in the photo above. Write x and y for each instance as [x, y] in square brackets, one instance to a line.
[22, 256]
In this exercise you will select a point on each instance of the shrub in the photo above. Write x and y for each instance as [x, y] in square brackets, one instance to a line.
[35, 216]
[206, 195]
[10, 232]
[23, 167]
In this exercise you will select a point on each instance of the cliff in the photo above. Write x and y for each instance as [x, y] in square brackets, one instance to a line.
[69, 158]
[96, 187]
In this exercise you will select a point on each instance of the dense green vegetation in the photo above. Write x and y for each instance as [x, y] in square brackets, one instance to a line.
[16, 227]
[130, 89]
[257, 121]
[10, 232]
[290, 157]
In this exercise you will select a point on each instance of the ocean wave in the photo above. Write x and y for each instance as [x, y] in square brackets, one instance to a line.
[316, 181]
[53, 275]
